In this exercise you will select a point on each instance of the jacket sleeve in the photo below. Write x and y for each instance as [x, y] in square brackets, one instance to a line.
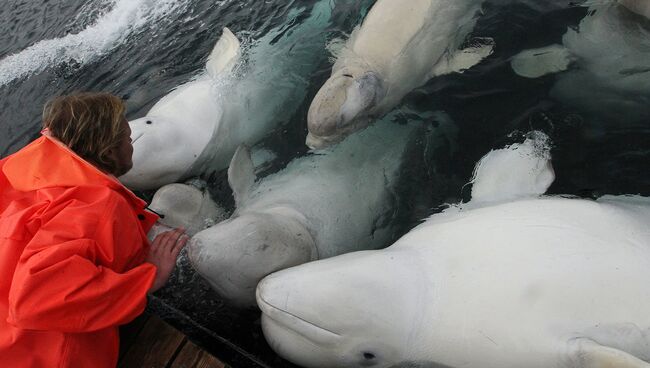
[60, 282]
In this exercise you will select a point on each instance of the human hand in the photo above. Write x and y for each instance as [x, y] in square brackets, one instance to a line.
[163, 253]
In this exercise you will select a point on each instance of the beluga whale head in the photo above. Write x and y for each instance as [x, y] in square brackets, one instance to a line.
[335, 313]
[163, 151]
[344, 104]
[235, 254]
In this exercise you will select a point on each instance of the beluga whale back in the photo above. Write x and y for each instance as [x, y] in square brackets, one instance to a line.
[526, 281]
[319, 206]
[399, 46]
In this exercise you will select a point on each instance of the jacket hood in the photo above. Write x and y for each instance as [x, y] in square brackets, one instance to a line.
[47, 163]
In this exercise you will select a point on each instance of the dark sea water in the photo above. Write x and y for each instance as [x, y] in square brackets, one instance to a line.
[596, 117]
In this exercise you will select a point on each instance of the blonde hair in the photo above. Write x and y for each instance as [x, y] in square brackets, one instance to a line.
[90, 124]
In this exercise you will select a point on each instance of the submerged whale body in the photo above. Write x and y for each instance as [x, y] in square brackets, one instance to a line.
[399, 46]
[526, 281]
[319, 206]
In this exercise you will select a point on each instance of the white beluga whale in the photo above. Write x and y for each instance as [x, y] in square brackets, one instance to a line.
[243, 94]
[603, 64]
[319, 206]
[172, 137]
[519, 281]
[398, 47]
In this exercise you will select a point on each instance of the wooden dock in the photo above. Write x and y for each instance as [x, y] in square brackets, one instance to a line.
[149, 342]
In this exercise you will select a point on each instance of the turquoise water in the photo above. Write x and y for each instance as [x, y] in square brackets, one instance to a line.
[597, 116]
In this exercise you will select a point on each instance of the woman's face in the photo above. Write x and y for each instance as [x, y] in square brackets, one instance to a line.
[122, 155]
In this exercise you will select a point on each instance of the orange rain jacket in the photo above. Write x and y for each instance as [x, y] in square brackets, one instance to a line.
[72, 249]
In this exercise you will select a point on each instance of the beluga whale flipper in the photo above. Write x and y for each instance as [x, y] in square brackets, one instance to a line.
[399, 46]
[518, 281]
[319, 206]
[172, 137]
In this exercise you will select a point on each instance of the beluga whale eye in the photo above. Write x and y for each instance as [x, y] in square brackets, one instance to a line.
[369, 359]
[149, 122]
[348, 75]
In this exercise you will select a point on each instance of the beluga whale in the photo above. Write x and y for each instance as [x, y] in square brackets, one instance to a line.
[502, 281]
[399, 46]
[244, 93]
[170, 140]
[318, 206]
[602, 65]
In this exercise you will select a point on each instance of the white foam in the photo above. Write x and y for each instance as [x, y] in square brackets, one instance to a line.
[108, 31]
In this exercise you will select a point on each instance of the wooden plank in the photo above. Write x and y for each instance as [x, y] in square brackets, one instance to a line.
[129, 333]
[156, 345]
[191, 356]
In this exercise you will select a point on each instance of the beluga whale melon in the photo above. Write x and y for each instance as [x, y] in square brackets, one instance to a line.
[516, 281]
[321, 205]
[399, 46]
[243, 95]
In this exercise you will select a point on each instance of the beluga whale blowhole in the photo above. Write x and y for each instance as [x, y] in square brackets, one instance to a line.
[398, 47]
[502, 281]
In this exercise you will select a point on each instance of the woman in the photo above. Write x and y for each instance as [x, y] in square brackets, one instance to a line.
[75, 262]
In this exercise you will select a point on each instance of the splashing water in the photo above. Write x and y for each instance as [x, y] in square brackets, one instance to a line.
[125, 18]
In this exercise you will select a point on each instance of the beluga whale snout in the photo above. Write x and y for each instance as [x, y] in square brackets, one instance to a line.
[344, 104]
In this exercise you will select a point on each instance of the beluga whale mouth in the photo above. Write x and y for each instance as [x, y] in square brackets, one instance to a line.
[135, 139]
[291, 322]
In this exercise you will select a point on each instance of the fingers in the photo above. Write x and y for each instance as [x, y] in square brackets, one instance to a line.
[164, 252]
[170, 241]
[179, 245]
